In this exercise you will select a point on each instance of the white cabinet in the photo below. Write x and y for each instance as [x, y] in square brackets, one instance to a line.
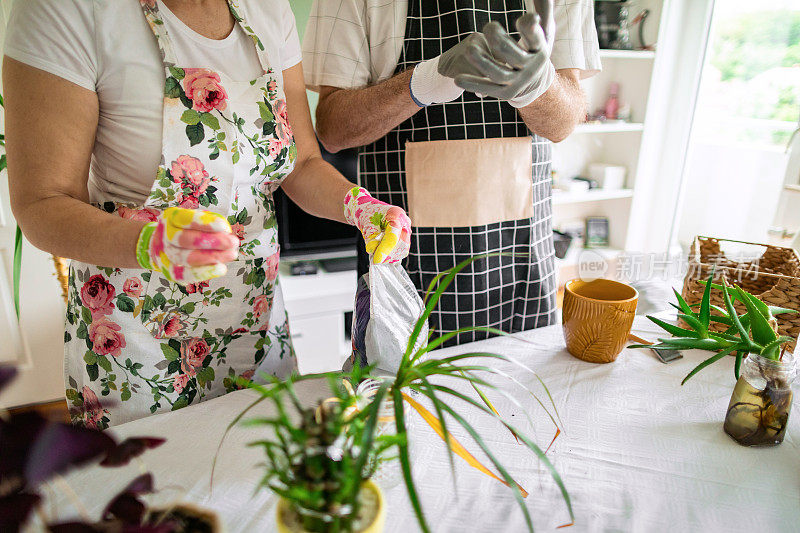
[317, 305]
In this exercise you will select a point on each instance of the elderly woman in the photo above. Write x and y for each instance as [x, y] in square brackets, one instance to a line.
[145, 141]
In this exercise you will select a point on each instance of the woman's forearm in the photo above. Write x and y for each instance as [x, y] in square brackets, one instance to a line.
[67, 227]
[318, 188]
[555, 114]
[347, 118]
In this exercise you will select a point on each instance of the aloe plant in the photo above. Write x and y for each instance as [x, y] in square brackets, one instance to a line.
[752, 332]
[423, 375]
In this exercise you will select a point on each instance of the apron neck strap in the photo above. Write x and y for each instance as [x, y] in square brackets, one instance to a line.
[169, 59]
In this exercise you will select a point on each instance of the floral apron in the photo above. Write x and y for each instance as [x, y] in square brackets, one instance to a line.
[137, 344]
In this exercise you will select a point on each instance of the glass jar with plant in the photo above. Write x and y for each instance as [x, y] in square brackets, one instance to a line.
[759, 408]
[436, 380]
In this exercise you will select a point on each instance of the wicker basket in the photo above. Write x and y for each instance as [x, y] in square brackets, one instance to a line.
[62, 274]
[774, 278]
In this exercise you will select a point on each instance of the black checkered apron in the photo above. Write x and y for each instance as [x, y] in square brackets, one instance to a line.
[509, 293]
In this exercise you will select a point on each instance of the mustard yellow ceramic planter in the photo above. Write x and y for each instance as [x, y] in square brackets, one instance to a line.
[597, 318]
[375, 527]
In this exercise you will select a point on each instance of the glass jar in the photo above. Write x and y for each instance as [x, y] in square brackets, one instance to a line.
[762, 399]
[387, 471]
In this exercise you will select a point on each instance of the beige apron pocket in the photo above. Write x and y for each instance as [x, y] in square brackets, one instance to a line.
[469, 182]
[239, 302]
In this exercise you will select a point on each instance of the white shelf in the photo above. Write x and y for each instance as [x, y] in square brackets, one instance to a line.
[594, 195]
[627, 54]
[608, 127]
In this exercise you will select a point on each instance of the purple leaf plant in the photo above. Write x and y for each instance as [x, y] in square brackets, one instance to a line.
[35, 450]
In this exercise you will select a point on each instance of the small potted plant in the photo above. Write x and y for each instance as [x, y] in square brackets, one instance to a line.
[37, 451]
[320, 459]
[758, 412]
[430, 378]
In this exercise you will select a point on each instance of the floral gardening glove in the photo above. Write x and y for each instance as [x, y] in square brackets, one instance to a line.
[386, 228]
[187, 245]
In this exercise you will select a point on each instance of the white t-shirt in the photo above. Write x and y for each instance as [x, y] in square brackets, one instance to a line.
[353, 43]
[107, 46]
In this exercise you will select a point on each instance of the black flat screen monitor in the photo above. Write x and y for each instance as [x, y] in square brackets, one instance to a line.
[302, 234]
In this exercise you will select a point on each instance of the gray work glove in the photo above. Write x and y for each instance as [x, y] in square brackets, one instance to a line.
[491, 63]
[518, 73]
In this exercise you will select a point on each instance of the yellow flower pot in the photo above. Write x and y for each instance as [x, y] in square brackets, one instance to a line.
[376, 526]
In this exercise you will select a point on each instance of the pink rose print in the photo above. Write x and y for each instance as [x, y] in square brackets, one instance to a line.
[97, 295]
[193, 352]
[272, 86]
[275, 147]
[284, 129]
[204, 88]
[264, 326]
[190, 170]
[132, 287]
[196, 287]
[146, 214]
[261, 305]
[149, 3]
[171, 327]
[106, 337]
[187, 202]
[239, 331]
[271, 264]
[238, 230]
[248, 374]
[92, 410]
[181, 380]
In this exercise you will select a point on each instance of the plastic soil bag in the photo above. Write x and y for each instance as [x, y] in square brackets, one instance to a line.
[387, 308]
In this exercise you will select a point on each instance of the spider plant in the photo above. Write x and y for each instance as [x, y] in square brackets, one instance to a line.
[755, 331]
[417, 374]
[319, 460]
[424, 376]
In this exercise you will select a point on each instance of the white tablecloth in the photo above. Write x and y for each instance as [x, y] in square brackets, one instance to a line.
[640, 453]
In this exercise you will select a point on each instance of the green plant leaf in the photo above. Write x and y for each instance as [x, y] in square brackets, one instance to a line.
[772, 350]
[763, 333]
[737, 323]
[443, 282]
[405, 462]
[773, 310]
[695, 324]
[738, 365]
[705, 304]
[440, 415]
[672, 329]
[682, 303]
[701, 366]
[711, 345]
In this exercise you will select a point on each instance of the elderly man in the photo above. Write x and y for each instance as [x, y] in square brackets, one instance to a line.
[454, 104]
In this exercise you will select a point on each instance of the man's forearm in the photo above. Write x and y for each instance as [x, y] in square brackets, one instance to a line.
[347, 118]
[556, 113]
